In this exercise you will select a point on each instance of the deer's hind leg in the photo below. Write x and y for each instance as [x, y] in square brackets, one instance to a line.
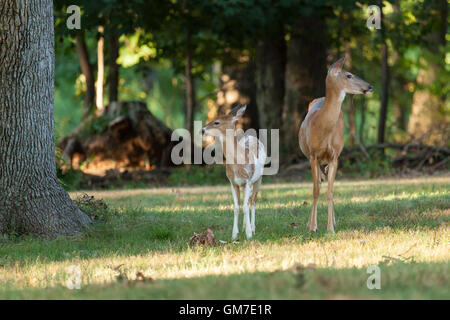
[245, 207]
[331, 177]
[315, 168]
[253, 200]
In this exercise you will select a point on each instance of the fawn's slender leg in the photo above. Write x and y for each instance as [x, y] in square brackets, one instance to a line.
[236, 196]
[247, 194]
[315, 169]
[253, 200]
[332, 167]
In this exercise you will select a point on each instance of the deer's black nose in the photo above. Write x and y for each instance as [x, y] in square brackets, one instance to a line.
[369, 89]
[203, 130]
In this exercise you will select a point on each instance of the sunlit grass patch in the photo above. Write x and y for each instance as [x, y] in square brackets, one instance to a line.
[401, 227]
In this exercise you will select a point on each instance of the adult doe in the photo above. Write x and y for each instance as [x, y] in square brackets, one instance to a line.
[244, 160]
[321, 135]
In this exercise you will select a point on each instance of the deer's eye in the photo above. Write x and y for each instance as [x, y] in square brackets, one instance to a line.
[349, 76]
[216, 122]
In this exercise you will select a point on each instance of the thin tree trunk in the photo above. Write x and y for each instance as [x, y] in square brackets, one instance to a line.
[305, 75]
[86, 69]
[429, 112]
[237, 86]
[100, 68]
[384, 84]
[351, 120]
[113, 81]
[31, 199]
[400, 107]
[351, 105]
[190, 89]
[362, 123]
[270, 67]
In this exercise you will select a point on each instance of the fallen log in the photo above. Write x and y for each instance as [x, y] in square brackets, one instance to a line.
[125, 135]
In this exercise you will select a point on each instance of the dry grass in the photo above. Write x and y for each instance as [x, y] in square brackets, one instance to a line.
[400, 225]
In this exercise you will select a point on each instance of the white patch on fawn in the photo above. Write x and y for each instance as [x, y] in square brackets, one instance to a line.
[247, 145]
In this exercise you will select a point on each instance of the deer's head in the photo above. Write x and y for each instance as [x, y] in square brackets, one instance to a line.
[219, 126]
[344, 81]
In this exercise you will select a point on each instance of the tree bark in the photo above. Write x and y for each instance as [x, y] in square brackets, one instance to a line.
[100, 68]
[86, 69]
[270, 68]
[362, 123]
[113, 81]
[400, 110]
[384, 84]
[31, 199]
[190, 89]
[305, 75]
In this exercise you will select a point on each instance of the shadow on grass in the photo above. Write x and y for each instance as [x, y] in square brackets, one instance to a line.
[145, 230]
[398, 281]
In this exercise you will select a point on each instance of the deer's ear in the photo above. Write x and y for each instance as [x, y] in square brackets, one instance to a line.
[337, 66]
[239, 113]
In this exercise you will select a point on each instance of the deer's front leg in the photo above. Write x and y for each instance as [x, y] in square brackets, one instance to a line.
[315, 169]
[236, 195]
[332, 167]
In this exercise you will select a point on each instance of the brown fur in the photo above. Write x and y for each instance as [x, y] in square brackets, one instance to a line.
[321, 135]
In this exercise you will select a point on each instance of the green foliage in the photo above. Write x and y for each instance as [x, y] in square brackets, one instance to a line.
[95, 126]
[198, 175]
[97, 209]
[154, 45]
[377, 165]
[71, 179]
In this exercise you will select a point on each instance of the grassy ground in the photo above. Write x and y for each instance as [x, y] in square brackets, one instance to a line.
[401, 225]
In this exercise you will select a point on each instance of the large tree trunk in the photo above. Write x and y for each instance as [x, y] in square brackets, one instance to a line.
[305, 75]
[86, 69]
[384, 84]
[429, 115]
[100, 68]
[113, 81]
[190, 89]
[31, 199]
[270, 67]
[237, 86]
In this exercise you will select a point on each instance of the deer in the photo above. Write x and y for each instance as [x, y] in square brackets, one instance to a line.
[321, 134]
[244, 162]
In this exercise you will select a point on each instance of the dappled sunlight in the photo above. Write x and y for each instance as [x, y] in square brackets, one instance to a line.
[303, 187]
[150, 232]
[345, 250]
